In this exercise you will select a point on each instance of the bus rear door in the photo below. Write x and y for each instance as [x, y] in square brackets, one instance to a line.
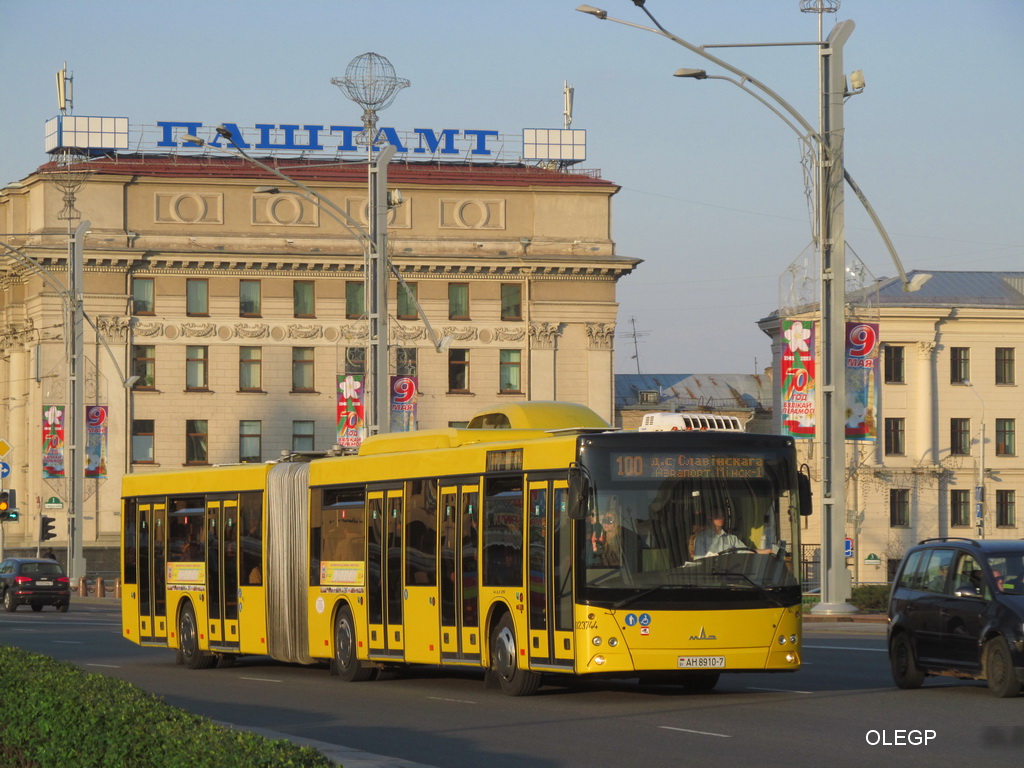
[384, 577]
[222, 572]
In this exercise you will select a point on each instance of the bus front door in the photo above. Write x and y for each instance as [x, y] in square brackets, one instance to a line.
[222, 573]
[152, 572]
[550, 575]
[459, 587]
[384, 573]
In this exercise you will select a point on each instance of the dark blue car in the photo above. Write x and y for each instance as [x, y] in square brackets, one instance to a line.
[35, 582]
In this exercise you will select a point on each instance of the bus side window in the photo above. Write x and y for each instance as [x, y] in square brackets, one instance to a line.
[251, 513]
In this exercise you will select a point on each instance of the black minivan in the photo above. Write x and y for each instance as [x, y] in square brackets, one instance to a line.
[957, 609]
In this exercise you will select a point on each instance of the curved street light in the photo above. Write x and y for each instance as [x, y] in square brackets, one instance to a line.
[831, 245]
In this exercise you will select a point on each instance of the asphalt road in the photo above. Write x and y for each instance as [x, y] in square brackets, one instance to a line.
[841, 709]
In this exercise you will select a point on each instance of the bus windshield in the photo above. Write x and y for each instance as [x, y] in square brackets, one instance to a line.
[696, 519]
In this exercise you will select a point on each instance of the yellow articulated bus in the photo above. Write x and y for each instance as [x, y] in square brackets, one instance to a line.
[538, 541]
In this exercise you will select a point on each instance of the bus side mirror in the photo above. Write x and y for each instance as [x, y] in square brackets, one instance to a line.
[804, 491]
[579, 493]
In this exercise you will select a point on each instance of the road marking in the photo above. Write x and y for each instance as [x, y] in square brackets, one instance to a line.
[777, 690]
[845, 648]
[456, 701]
[68, 642]
[108, 666]
[261, 679]
[699, 733]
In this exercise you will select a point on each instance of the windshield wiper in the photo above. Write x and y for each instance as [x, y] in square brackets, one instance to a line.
[759, 587]
[642, 593]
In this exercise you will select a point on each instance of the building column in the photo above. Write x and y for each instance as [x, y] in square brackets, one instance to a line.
[600, 361]
[925, 397]
[543, 381]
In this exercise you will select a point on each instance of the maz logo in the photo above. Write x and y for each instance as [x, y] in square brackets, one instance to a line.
[703, 636]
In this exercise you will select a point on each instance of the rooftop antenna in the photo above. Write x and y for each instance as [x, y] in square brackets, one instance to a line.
[567, 90]
[635, 335]
[65, 90]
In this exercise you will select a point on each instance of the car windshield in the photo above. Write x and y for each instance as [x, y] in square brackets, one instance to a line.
[1008, 572]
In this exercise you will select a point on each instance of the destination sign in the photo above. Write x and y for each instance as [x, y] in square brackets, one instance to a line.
[685, 466]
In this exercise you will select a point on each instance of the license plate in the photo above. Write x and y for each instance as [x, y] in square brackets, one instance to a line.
[701, 662]
[45, 583]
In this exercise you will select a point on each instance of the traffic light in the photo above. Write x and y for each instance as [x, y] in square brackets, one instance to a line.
[8, 505]
[46, 528]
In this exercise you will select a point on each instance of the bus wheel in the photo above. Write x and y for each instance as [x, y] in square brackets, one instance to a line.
[515, 681]
[188, 641]
[345, 664]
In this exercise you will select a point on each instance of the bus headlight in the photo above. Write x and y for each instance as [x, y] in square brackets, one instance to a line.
[599, 660]
[792, 639]
[596, 641]
[612, 642]
[782, 639]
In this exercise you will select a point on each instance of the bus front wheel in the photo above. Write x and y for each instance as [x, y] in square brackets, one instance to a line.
[514, 680]
[346, 665]
[188, 642]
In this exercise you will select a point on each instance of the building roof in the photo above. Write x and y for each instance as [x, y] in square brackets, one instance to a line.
[687, 391]
[309, 169]
[959, 289]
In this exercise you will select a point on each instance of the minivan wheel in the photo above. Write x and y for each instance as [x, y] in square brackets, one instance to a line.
[1002, 678]
[905, 672]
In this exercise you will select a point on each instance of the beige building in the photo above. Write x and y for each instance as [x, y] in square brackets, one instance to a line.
[950, 403]
[238, 310]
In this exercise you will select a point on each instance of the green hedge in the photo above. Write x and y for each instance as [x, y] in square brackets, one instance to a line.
[57, 715]
[867, 598]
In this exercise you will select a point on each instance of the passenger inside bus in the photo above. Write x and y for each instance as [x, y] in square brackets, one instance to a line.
[615, 545]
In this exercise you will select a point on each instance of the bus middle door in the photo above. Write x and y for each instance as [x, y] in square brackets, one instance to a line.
[222, 572]
[460, 589]
[152, 572]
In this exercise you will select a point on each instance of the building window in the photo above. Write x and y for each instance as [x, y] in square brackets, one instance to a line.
[142, 441]
[250, 369]
[458, 301]
[195, 441]
[899, 507]
[302, 369]
[407, 294]
[355, 302]
[355, 360]
[895, 372]
[250, 440]
[406, 361]
[144, 366]
[1005, 367]
[959, 365]
[511, 301]
[250, 298]
[509, 370]
[458, 370]
[143, 301]
[1006, 509]
[197, 297]
[1006, 437]
[304, 298]
[302, 435]
[895, 434]
[960, 437]
[196, 367]
[960, 508]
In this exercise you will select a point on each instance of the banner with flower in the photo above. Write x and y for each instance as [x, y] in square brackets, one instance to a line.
[351, 421]
[797, 378]
[53, 441]
[861, 381]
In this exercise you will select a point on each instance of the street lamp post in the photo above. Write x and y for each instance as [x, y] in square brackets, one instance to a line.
[830, 177]
[979, 489]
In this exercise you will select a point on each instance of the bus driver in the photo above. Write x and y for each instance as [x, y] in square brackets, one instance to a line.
[713, 540]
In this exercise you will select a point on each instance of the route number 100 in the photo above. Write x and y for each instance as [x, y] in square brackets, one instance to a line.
[630, 466]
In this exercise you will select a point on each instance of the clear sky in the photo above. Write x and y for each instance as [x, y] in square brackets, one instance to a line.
[712, 194]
